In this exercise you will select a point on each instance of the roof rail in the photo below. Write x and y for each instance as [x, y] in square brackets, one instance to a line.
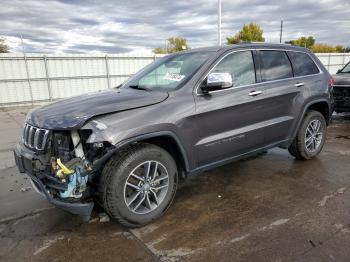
[247, 42]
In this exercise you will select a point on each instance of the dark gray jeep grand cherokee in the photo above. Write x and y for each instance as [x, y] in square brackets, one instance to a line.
[126, 148]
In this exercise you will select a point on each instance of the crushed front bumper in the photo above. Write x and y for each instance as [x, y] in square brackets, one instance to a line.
[24, 160]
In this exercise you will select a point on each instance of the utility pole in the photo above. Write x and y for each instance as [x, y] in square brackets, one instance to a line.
[281, 31]
[219, 22]
[22, 45]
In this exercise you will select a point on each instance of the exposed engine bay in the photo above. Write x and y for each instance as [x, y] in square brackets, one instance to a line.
[70, 166]
[69, 169]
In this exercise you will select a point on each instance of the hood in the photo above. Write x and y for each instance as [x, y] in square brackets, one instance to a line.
[72, 113]
[342, 79]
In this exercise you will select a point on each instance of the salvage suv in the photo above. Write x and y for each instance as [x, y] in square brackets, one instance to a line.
[126, 148]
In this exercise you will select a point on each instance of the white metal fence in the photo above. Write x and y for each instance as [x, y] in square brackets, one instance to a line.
[38, 78]
[334, 61]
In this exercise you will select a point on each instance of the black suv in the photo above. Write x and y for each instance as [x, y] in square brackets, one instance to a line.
[341, 90]
[127, 147]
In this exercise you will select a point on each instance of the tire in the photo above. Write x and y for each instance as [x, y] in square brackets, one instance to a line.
[116, 194]
[300, 147]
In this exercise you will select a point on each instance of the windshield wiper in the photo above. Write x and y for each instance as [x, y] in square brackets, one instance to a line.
[140, 87]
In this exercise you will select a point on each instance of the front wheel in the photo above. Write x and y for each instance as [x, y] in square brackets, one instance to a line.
[139, 184]
[310, 137]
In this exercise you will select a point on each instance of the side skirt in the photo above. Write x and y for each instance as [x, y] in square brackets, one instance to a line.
[236, 157]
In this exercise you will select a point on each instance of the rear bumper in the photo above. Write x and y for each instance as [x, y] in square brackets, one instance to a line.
[24, 161]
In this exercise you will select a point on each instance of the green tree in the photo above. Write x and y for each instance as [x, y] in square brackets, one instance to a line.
[323, 48]
[249, 33]
[310, 42]
[4, 48]
[340, 49]
[173, 44]
[303, 41]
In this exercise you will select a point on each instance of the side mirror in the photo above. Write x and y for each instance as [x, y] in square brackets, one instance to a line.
[338, 71]
[217, 81]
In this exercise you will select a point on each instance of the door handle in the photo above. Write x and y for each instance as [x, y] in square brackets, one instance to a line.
[255, 93]
[299, 84]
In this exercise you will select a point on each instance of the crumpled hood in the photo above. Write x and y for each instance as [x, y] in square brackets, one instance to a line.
[342, 79]
[72, 113]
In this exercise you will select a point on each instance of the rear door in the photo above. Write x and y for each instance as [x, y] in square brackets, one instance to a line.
[281, 93]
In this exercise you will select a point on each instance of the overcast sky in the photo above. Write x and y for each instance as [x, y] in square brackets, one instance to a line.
[115, 26]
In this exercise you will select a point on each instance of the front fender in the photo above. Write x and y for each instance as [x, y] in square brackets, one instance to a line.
[143, 137]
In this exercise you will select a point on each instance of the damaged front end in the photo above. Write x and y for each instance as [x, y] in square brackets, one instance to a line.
[62, 166]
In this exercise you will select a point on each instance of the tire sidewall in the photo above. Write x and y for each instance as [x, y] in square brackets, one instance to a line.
[310, 117]
[118, 179]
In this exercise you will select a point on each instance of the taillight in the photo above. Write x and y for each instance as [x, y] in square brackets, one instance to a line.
[331, 82]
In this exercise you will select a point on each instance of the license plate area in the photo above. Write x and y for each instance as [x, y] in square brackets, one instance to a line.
[24, 165]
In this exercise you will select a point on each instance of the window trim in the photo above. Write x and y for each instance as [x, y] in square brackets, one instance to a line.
[320, 71]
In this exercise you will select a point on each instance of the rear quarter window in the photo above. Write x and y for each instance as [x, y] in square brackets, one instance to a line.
[302, 64]
[276, 65]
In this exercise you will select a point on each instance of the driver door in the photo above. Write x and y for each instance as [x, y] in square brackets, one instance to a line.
[228, 121]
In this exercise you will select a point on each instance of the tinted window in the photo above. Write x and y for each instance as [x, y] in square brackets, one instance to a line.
[276, 65]
[302, 64]
[241, 67]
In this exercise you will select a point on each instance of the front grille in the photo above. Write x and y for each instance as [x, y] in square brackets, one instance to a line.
[35, 138]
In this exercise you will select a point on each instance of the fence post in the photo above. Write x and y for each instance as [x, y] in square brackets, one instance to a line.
[47, 77]
[28, 77]
[107, 71]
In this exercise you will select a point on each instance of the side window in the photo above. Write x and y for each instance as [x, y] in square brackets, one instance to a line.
[276, 65]
[302, 64]
[241, 67]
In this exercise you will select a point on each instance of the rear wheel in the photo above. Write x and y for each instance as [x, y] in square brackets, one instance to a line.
[310, 138]
[139, 184]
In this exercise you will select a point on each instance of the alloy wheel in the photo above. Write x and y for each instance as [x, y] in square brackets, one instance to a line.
[146, 187]
[313, 135]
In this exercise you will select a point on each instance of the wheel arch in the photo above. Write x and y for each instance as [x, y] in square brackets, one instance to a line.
[320, 105]
[166, 140]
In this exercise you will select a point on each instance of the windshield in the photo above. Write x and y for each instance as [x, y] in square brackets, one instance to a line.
[346, 69]
[168, 73]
